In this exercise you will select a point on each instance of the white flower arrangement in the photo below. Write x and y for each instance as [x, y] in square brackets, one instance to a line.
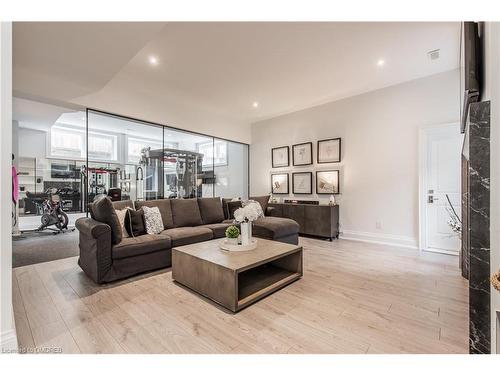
[250, 211]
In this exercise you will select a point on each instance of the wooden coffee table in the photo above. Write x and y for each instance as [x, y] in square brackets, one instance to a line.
[235, 280]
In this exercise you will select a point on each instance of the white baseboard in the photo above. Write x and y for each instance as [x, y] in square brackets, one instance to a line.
[380, 238]
[8, 341]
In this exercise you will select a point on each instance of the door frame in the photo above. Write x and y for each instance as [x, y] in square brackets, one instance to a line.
[422, 182]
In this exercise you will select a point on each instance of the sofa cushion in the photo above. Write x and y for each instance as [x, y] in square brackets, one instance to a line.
[105, 213]
[274, 227]
[263, 201]
[218, 229]
[134, 223]
[147, 243]
[164, 207]
[211, 210]
[188, 235]
[186, 212]
[121, 205]
[231, 207]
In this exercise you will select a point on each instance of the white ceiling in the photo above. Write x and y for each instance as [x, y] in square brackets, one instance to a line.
[222, 68]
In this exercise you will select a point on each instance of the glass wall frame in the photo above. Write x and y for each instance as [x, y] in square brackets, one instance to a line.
[178, 163]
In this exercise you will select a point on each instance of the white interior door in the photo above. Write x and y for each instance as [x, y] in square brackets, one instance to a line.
[442, 177]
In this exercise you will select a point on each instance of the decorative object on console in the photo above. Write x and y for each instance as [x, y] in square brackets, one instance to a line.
[329, 150]
[332, 200]
[327, 182]
[280, 157]
[279, 183]
[232, 234]
[296, 201]
[302, 154]
[302, 183]
[250, 211]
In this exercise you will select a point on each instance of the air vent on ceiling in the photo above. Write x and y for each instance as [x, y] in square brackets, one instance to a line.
[434, 54]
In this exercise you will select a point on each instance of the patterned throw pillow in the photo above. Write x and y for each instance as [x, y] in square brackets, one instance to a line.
[152, 220]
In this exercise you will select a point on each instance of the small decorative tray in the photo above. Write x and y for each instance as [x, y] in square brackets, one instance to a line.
[228, 246]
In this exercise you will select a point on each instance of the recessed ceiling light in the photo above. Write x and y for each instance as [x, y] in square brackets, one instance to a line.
[153, 60]
[255, 104]
[380, 62]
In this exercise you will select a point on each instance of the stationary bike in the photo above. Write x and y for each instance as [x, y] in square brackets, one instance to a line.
[53, 214]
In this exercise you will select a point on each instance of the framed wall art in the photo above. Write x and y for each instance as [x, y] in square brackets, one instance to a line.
[279, 183]
[280, 157]
[302, 154]
[329, 150]
[302, 183]
[327, 182]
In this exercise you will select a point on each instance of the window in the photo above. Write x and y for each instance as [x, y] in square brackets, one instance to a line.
[102, 147]
[135, 146]
[213, 153]
[67, 142]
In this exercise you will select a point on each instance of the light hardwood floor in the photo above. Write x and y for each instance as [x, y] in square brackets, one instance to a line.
[354, 298]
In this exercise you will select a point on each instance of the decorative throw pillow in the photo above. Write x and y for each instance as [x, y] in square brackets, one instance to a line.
[233, 206]
[121, 217]
[134, 222]
[104, 212]
[152, 220]
[263, 201]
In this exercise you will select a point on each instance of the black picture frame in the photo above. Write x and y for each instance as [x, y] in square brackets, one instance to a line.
[287, 183]
[287, 157]
[338, 157]
[310, 182]
[310, 153]
[318, 181]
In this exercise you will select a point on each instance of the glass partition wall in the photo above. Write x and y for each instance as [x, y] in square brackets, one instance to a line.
[79, 154]
[138, 160]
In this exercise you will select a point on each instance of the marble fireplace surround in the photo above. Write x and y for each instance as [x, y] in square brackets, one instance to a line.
[479, 228]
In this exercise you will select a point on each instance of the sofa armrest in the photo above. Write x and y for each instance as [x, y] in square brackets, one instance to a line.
[270, 211]
[92, 228]
[95, 248]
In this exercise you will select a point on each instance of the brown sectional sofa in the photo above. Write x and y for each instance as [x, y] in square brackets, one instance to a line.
[106, 255]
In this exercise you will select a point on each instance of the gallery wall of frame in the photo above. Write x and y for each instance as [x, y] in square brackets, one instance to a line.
[327, 180]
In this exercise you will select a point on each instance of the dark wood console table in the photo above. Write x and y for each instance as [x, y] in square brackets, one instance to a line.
[314, 220]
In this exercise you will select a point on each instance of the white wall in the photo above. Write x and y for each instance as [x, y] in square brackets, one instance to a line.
[379, 168]
[32, 143]
[492, 92]
[8, 338]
